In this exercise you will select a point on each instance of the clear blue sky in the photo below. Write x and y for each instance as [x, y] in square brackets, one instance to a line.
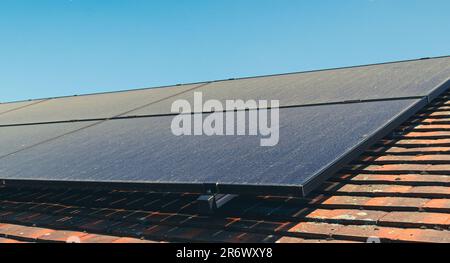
[64, 47]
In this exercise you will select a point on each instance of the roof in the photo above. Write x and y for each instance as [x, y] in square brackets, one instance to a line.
[112, 137]
[398, 191]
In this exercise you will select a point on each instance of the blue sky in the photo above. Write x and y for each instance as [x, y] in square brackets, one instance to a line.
[65, 47]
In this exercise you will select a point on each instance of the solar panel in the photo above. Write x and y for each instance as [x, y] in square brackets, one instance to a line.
[313, 140]
[327, 118]
[397, 80]
[386, 81]
[9, 107]
[95, 106]
[16, 138]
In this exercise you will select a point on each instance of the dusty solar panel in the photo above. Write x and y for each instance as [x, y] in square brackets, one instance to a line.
[353, 107]
[386, 81]
[144, 150]
[17, 138]
[6, 108]
[95, 106]
[397, 80]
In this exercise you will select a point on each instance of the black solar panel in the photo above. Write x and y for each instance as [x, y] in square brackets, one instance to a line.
[389, 81]
[144, 150]
[97, 106]
[326, 119]
[9, 107]
[16, 138]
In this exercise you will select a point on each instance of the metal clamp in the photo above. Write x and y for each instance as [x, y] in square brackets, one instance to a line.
[208, 204]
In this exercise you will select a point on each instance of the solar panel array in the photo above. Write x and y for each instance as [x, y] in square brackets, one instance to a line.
[125, 138]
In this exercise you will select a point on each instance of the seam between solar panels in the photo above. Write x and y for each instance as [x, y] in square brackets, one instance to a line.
[25, 106]
[121, 117]
[49, 140]
[158, 101]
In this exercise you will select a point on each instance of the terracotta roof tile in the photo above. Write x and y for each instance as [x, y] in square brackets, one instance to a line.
[438, 204]
[127, 240]
[62, 236]
[8, 241]
[296, 240]
[23, 232]
[418, 220]
[10, 233]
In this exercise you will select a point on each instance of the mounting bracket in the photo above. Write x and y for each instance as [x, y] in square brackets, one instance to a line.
[208, 204]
